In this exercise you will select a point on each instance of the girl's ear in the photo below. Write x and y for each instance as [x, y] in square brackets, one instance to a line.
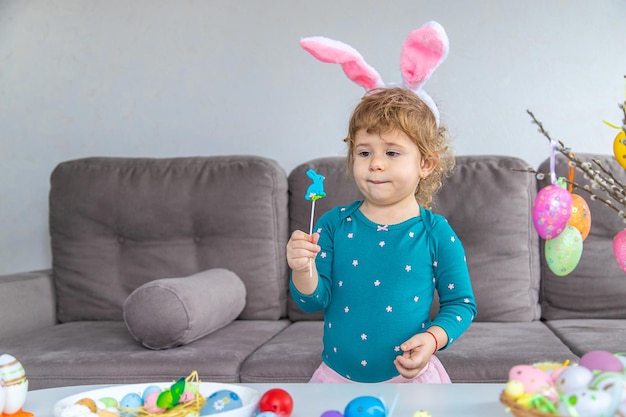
[428, 166]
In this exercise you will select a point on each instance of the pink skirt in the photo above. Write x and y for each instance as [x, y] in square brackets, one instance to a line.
[433, 373]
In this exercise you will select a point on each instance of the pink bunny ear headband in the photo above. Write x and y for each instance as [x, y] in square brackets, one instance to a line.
[423, 50]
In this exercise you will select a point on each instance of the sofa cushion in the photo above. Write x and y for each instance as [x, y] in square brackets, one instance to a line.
[585, 335]
[117, 223]
[488, 204]
[171, 312]
[487, 351]
[104, 352]
[596, 287]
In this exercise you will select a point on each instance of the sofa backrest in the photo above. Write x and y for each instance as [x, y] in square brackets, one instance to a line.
[488, 203]
[596, 287]
[117, 223]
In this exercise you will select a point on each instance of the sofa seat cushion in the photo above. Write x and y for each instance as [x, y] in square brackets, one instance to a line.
[487, 351]
[104, 352]
[171, 312]
[585, 335]
[292, 356]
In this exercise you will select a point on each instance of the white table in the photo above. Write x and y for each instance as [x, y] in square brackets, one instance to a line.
[311, 400]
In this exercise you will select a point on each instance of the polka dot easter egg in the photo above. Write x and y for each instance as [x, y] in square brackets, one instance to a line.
[551, 211]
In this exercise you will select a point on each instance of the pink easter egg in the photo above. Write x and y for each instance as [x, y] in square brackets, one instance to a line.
[551, 211]
[150, 403]
[186, 396]
[601, 360]
[619, 249]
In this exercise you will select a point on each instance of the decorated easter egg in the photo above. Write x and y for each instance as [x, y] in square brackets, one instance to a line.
[365, 406]
[581, 216]
[586, 402]
[564, 251]
[619, 249]
[277, 401]
[186, 396]
[601, 360]
[573, 378]
[129, 401]
[11, 370]
[89, 403]
[619, 148]
[15, 397]
[220, 401]
[613, 383]
[551, 211]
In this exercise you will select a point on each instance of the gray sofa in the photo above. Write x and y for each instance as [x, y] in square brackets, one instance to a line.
[119, 224]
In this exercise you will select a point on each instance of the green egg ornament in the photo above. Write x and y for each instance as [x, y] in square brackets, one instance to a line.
[564, 251]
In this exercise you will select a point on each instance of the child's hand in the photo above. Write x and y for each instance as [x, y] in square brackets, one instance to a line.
[301, 248]
[417, 352]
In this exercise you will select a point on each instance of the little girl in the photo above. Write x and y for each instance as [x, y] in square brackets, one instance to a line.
[378, 261]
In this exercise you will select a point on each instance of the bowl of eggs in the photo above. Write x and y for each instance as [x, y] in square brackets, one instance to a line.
[164, 399]
[594, 387]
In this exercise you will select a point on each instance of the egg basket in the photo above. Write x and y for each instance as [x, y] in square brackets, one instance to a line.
[179, 410]
[519, 410]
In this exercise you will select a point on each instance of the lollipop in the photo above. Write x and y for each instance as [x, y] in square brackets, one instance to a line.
[314, 193]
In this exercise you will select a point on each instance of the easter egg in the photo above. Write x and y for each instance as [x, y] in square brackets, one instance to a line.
[551, 211]
[150, 403]
[601, 360]
[11, 370]
[149, 390]
[514, 389]
[15, 396]
[587, 402]
[186, 396]
[277, 401]
[332, 413]
[129, 401]
[564, 251]
[220, 401]
[108, 401]
[365, 406]
[573, 378]
[619, 148]
[581, 216]
[89, 403]
[619, 249]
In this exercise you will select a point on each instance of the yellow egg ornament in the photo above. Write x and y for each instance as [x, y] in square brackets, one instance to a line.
[619, 148]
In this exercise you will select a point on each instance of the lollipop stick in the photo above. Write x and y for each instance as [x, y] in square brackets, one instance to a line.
[310, 233]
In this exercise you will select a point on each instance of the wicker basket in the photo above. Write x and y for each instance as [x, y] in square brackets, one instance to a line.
[519, 410]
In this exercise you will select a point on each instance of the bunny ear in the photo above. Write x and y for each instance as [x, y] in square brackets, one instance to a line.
[423, 50]
[335, 52]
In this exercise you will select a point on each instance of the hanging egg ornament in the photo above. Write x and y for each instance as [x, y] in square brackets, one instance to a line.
[581, 216]
[564, 251]
[619, 249]
[551, 211]
[619, 148]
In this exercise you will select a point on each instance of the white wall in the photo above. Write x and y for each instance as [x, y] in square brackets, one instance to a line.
[163, 78]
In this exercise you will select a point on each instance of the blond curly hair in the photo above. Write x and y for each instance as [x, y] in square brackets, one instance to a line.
[384, 109]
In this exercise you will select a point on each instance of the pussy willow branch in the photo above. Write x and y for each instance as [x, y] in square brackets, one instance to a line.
[601, 178]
